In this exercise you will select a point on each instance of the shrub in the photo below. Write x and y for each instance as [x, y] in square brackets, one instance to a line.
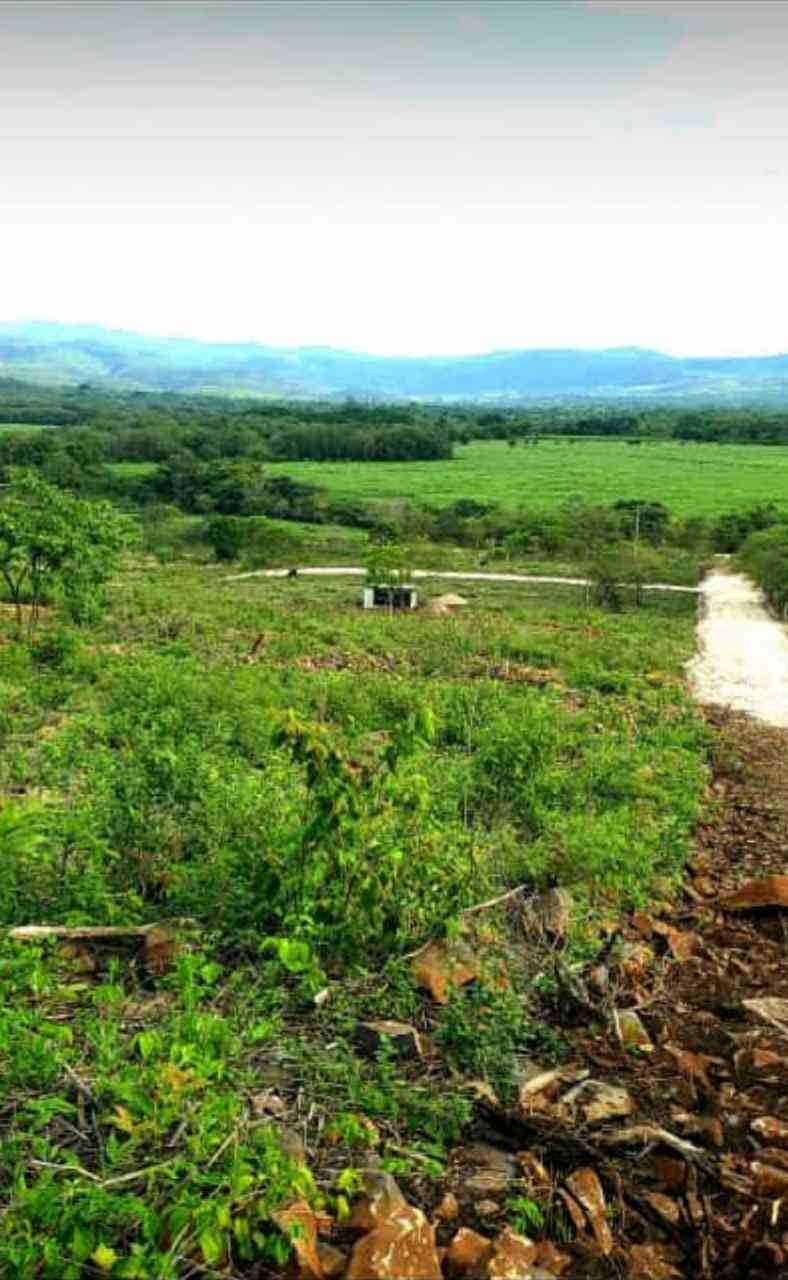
[765, 556]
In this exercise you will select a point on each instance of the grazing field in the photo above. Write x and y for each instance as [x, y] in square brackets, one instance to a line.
[696, 479]
[24, 426]
[320, 791]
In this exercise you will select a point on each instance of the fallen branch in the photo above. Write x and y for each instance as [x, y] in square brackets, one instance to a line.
[65, 1168]
[81, 933]
[156, 942]
[494, 902]
[652, 1135]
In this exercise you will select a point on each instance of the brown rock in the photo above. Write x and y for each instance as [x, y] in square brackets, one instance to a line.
[704, 886]
[635, 959]
[299, 1223]
[770, 1128]
[401, 1036]
[534, 1170]
[763, 1059]
[379, 1199]
[448, 1209]
[550, 1257]
[268, 1103]
[681, 945]
[597, 1102]
[466, 1252]
[487, 1208]
[442, 965]
[510, 1258]
[332, 1261]
[768, 1180]
[493, 1170]
[586, 1188]
[643, 923]
[708, 1127]
[403, 1248]
[485, 1182]
[651, 1262]
[667, 1209]
[694, 1065]
[547, 1082]
[771, 1008]
[159, 949]
[770, 892]
[551, 913]
[576, 1215]
[632, 1032]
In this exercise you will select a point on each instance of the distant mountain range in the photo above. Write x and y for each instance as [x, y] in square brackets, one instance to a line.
[56, 353]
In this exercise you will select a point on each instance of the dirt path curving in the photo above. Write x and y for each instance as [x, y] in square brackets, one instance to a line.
[742, 661]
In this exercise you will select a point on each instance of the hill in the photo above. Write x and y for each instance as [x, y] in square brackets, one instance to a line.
[55, 353]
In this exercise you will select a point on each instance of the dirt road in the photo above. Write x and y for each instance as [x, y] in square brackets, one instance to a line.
[742, 660]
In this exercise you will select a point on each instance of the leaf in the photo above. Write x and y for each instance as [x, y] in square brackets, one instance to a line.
[212, 1246]
[81, 1244]
[104, 1257]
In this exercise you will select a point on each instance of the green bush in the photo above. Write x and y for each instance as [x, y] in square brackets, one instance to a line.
[765, 556]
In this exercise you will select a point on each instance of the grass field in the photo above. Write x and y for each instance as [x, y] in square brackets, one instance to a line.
[222, 752]
[696, 479]
[24, 426]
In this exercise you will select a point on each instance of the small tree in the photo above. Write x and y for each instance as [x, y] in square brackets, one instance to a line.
[388, 564]
[50, 539]
[226, 535]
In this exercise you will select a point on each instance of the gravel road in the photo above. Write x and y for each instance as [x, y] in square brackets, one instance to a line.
[742, 659]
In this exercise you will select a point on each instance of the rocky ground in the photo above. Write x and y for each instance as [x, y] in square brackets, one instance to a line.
[659, 1150]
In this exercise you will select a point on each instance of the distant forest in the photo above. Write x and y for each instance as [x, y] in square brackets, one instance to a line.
[140, 426]
[209, 457]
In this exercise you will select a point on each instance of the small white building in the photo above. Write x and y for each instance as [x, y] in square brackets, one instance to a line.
[385, 596]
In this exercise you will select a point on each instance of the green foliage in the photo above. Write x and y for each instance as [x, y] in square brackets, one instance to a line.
[226, 536]
[525, 1215]
[320, 806]
[51, 540]
[481, 1031]
[177, 1171]
[347, 889]
[388, 564]
[765, 556]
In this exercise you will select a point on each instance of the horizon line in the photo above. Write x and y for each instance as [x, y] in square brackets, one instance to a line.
[385, 355]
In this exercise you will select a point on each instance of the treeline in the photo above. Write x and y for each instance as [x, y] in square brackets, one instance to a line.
[137, 426]
[152, 427]
[361, 442]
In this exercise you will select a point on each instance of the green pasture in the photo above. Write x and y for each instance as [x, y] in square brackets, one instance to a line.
[697, 479]
[6, 427]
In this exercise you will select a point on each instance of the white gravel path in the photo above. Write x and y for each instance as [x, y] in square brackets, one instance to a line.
[742, 659]
[470, 576]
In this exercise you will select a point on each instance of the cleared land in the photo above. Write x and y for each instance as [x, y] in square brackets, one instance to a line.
[697, 479]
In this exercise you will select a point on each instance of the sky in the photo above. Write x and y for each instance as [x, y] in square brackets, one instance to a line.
[399, 176]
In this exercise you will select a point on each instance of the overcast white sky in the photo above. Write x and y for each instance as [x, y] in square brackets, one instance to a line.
[404, 176]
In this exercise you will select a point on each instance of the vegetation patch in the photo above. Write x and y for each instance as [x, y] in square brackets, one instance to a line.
[316, 814]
